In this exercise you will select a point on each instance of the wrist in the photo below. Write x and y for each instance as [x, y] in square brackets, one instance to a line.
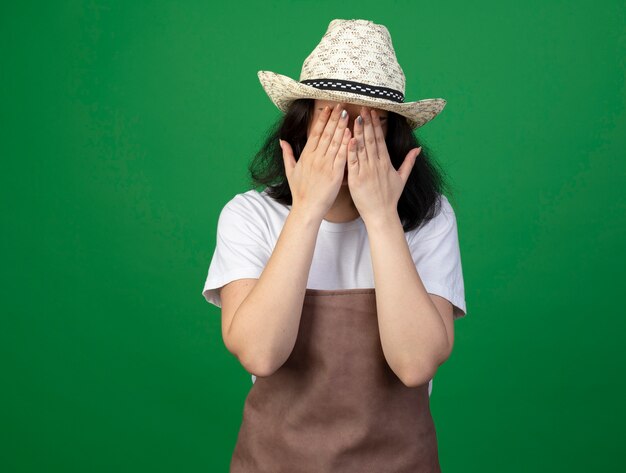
[382, 220]
[305, 216]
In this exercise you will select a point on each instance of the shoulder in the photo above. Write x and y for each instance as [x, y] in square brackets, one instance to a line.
[441, 224]
[256, 211]
[251, 203]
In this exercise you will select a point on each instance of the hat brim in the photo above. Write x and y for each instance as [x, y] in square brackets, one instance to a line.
[283, 90]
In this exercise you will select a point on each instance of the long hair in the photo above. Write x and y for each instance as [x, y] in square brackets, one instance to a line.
[419, 201]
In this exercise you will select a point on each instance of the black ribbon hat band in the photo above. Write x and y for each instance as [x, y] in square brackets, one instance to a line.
[357, 88]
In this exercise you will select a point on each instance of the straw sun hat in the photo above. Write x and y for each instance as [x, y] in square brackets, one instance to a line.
[355, 63]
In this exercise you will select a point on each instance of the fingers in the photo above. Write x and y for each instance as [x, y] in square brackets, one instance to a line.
[340, 134]
[353, 160]
[360, 150]
[331, 136]
[342, 155]
[368, 134]
[381, 146]
[288, 157]
[318, 129]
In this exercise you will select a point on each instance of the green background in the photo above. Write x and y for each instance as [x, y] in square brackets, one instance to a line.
[126, 126]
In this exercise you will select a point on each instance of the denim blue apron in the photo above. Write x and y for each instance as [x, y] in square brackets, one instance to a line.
[335, 405]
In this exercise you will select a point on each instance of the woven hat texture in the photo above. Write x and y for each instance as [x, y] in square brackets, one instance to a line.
[355, 62]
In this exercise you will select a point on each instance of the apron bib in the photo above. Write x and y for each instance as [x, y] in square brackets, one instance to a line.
[335, 405]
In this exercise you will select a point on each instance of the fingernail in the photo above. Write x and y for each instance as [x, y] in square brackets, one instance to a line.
[344, 114]
[359, 119]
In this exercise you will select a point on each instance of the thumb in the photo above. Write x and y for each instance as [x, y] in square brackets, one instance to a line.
[288, 157]
[407, 165]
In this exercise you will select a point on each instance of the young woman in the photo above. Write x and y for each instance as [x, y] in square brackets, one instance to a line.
[340, 281]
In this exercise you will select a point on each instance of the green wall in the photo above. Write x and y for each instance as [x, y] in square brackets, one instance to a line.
[127, 125]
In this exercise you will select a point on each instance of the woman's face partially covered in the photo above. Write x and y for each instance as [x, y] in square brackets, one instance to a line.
[353, 112]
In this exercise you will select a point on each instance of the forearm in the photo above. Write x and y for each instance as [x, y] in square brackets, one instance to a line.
[265, 326]
[413, 334]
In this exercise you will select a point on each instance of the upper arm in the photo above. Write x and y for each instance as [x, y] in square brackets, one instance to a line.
[242, 246]
[437, 256]
[444, 307]
[232, 295]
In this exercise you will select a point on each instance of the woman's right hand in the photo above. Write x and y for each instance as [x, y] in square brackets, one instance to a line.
[315, 179]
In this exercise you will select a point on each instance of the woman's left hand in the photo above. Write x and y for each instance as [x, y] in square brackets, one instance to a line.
[375, 185]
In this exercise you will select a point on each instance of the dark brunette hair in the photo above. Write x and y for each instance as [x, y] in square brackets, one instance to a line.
[419, 201]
